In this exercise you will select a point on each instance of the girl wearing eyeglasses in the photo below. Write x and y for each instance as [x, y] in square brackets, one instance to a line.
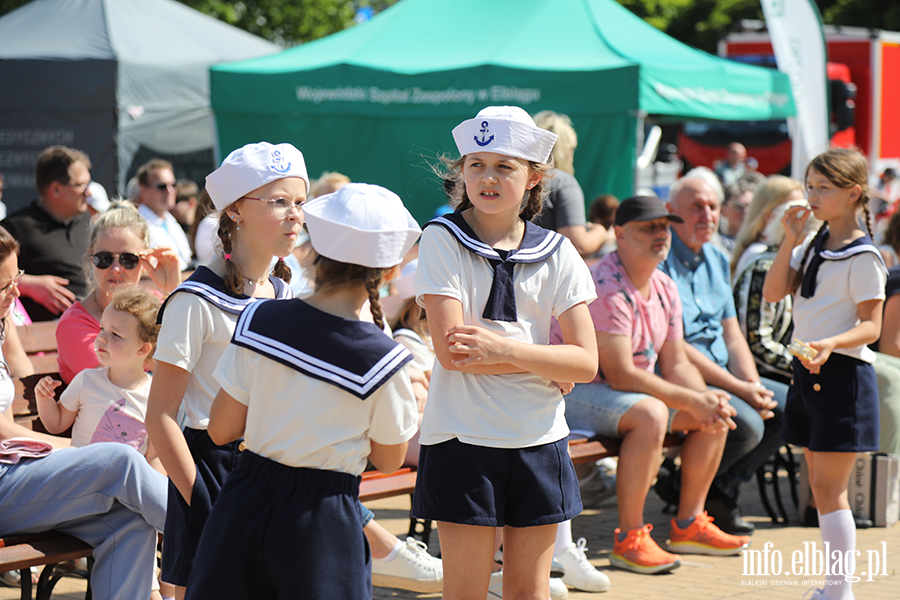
[117, 255]
[258, 192]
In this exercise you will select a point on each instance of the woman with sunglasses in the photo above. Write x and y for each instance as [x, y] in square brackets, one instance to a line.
[105, 494]
[117, 255]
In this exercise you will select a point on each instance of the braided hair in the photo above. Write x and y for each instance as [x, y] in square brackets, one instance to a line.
[333, 273]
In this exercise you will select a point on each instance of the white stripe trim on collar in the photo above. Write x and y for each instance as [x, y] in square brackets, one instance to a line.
[360, 384]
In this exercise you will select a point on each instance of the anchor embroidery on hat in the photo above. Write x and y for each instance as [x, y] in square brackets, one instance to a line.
[538, 244]
[278, 162]
[484, 131]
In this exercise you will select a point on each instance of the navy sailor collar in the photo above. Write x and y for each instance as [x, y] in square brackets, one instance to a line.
[210, 287]
[538, 244]
[857, 246]
[355, 356]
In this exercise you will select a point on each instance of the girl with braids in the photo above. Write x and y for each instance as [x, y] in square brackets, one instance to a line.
[491, 281]
[316, 391]
[259, 191]
[837, 279]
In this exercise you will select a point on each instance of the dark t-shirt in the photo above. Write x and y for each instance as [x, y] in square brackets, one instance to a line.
[50, 247]
[564, 207]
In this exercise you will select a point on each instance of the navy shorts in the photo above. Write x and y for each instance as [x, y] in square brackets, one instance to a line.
[495, 487]
[283, 532]
[834, 411]
[184, 523]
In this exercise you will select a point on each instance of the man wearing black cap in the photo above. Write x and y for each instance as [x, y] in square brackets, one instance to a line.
[637, 318]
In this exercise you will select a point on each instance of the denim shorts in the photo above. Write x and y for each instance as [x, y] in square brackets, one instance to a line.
[599, 408]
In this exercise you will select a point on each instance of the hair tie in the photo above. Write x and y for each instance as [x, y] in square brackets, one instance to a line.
[227, 256]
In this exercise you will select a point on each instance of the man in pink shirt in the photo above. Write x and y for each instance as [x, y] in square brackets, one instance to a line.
[637, 318]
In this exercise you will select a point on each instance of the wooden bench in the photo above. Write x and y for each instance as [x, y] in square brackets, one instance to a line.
[49, 548]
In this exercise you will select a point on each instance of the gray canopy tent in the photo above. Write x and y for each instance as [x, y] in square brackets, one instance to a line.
[123, 80]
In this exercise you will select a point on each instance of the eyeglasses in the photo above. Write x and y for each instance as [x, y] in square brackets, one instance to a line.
[162, 185]
[281, 207]
[104, 260]
[6, 289]
[79, 187]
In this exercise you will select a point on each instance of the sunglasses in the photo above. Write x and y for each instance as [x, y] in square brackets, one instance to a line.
[162, 185]
[104, 260]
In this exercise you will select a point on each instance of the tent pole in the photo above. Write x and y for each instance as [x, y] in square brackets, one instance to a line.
[640, 116]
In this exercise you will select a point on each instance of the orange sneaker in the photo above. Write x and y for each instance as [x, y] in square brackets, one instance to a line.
[640, 554]
[702, 537]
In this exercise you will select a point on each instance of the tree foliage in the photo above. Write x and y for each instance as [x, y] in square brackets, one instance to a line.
[700, 23]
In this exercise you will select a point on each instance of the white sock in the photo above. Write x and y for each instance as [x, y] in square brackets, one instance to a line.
[395, 551]
[563, 538]
[839, 530]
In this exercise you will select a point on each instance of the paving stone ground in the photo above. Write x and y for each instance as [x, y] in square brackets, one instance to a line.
[699, 576]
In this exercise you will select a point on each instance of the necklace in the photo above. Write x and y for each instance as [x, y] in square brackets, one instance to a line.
[256, 281]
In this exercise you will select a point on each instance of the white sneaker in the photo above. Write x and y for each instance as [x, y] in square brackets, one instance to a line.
[558, 590]
[495, 588]
[580, 573]
[412, 569]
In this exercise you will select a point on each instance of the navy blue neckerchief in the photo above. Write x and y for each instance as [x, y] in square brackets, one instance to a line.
[537, 245]
[857, 246]
[356, 356]
[209, 286]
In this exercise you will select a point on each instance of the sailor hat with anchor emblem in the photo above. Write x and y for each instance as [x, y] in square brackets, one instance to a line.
[253, 166]
[507, 130]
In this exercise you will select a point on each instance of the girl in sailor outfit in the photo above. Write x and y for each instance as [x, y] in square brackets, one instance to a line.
[316, 391]
[259, 190]
[837, 278]
[494, 435]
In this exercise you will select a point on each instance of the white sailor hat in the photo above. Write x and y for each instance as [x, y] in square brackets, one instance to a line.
[361, 224]
[505, 130]
[253, 166]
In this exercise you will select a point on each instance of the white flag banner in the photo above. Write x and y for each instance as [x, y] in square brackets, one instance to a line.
[795, 28]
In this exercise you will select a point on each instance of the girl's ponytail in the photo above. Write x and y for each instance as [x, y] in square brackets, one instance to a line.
[798, 278]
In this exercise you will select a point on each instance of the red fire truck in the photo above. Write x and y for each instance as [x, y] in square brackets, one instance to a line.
[864, 100]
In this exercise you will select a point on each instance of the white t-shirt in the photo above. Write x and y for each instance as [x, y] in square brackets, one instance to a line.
[193, 336]
[500, 411]
[300, 421]
[422, 351]
[207, 243]
[166, 231]
[106, 412]
[840, 286]
[7, 387]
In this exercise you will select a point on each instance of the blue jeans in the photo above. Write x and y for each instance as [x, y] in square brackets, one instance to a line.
[752, 443]
[103, 494]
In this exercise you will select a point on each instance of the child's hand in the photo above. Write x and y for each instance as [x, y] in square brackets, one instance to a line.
[477, 346]
[794, 220]
[44, 390]
[565, 386]
[825, 348]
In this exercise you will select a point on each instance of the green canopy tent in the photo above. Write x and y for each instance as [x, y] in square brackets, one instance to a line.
[378, 101]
